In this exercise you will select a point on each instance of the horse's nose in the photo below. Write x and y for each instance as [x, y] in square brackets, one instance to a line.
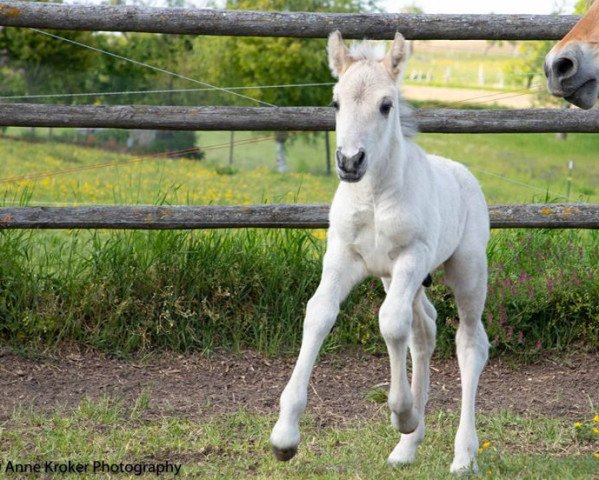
[350, 164]
[564, 67]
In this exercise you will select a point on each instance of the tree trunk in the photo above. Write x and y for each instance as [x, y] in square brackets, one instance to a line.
[280, 139]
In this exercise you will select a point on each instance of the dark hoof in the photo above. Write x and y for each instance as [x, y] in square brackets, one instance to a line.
[285, 454]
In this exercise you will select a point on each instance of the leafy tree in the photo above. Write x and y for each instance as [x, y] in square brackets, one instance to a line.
[42, 60]
[582, 6]
[413, 9]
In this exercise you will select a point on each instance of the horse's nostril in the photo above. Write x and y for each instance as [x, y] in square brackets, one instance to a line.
[360, 156]
[564, 67]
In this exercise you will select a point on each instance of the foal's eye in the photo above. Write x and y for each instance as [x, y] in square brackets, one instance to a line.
[335, 105]
[386, 107]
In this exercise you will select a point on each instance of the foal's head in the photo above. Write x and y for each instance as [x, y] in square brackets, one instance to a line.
[367, 103]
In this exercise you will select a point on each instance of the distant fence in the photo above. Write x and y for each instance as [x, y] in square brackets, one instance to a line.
[305, 25]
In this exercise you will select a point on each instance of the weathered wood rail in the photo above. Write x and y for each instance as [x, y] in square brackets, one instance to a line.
[264, 216]
[290, 118]
[278, 24]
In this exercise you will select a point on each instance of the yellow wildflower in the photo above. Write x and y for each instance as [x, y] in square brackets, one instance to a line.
[596, 431]
[484, 446]
[577, 424]
[596, 455]
[596, 418]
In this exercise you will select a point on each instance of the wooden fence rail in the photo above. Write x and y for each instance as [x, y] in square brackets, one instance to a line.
[278, 24]
[289, 118]
[264, 216]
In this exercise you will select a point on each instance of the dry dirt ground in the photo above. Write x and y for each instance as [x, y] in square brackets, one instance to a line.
[200, 387]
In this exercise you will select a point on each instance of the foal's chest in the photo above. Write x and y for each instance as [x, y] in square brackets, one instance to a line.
[379, 239]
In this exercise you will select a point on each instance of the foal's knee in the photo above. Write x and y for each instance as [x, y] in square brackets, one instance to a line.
[395, 322]
[473, 338]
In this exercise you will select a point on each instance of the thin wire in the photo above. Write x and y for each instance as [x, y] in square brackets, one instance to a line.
[179, 90]
[156, 156]
[152, 67]
[516, 182]
[500, 95]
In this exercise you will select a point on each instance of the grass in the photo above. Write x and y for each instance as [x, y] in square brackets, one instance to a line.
[199, 291]
[440, 64]
[511, 168]
[236, 445]
[130, 291]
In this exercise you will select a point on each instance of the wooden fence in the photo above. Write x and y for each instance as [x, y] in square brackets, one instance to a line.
[305, 25]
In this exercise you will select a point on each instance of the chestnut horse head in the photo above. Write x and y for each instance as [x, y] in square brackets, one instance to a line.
[572, 65]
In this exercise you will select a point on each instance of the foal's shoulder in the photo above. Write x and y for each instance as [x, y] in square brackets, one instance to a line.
[463, 175]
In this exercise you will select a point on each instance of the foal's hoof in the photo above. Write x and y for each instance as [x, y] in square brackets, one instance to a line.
[284, 454]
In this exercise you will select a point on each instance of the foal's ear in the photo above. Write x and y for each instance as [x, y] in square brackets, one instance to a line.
[397, 56]
[339, 58]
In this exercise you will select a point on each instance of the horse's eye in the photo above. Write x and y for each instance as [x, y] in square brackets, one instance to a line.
[335, 105]
[386, 107]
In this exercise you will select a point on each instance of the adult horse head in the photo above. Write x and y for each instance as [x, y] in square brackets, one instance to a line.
[572, 66]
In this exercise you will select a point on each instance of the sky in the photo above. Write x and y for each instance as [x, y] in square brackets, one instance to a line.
[482, 6]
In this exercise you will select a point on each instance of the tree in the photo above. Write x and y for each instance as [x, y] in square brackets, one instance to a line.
[582, 6]
[42, 60]
[252, 61]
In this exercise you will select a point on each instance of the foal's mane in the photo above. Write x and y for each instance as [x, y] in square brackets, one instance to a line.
[375, 52]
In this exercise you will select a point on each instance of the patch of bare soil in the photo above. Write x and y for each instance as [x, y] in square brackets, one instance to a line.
[200, 387]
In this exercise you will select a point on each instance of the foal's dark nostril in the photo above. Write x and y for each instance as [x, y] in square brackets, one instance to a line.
[564, 67]
[360, 156]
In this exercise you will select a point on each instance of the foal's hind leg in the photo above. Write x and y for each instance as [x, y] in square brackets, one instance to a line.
[422, 345]
[467, 276]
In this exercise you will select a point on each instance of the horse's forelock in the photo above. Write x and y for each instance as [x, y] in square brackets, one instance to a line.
[367, 51]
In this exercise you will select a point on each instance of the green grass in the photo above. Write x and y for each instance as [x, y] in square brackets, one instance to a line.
[464, 73]
[131, 291]
[511, 168]
[199, 291]
[236, 445]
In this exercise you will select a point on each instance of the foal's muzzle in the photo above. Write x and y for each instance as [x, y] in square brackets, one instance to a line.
[351, 169]
[573, 75]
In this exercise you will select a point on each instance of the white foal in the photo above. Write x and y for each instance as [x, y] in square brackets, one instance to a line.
[398, 214]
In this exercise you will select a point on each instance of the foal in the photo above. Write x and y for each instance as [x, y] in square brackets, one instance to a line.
[398, 214]
[572, 65]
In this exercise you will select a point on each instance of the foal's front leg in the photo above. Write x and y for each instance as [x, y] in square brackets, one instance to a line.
[341, 271]
[395, 319]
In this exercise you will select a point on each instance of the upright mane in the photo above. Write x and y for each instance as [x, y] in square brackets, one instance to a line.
[367, 50]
